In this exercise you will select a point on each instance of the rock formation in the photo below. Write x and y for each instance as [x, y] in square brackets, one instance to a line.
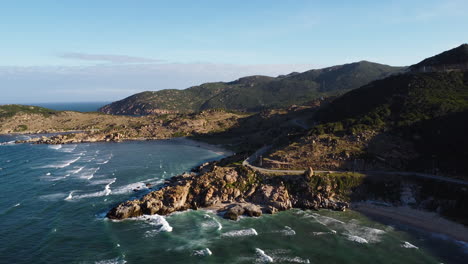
[235, 190]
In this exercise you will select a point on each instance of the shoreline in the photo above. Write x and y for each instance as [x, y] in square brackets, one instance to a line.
[184, 140]
[195, 143]
[427, 221]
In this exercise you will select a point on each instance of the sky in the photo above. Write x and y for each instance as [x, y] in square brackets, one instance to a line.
[73, 51]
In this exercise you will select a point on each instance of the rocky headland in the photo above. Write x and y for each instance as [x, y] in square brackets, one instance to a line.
[235, 191]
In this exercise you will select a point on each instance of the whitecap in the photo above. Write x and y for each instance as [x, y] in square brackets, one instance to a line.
[53, 196]
[130, 188]
[111, 261]
[7, 143]
[202, 252]
[77, 170]
[241, 233]
[56, 147]
[371, 235]
[324, 233]
[88, 174]
[69, 148]
[70, 196]
[216, 222]
[408, 245]
[16, 205]
[155, 220]
[292, 260]
[107, 189]
[357, 239]
[263, 257]
[288, 231]
[62, 164]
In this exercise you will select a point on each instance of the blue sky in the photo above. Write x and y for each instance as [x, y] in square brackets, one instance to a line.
[105, 50]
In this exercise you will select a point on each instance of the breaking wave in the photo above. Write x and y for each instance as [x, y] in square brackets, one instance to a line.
[241, 233]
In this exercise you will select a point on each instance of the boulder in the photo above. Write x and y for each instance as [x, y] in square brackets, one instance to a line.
[234, 212]
[252, 210]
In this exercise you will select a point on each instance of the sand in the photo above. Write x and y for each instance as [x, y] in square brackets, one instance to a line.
[427, 221]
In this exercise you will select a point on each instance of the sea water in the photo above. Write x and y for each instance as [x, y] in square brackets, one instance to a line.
[77, 106]
[54, 198]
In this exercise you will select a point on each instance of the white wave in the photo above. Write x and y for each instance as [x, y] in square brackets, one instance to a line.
[409, 245]
[288, 231]
[53, 197]
[218, 224]
[292, 260]
[62, 164]
[99, 182]
[89, 173]
[69, 148]
[112, 261]
[202, 252]
[325, 220]
[324, 233]
[107, 189]
[77, 170]
[56, 147]
[7, 143]
[357, 239]
[263, 258]
[371, 235]
[240, 233]
[158, 221]
[104, 162]
[16, 205]
[70, 196]
[130, 188]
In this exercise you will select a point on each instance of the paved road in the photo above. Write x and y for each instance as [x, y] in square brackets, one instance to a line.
[248, 163]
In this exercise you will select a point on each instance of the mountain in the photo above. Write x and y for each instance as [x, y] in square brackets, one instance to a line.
[254, 93]
[454, 59]
[412, 121]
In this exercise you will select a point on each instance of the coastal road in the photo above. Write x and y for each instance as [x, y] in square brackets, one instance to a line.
[248, 163]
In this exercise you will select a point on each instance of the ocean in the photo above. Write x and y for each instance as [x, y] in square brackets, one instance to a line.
[78, 106]
[54, 200]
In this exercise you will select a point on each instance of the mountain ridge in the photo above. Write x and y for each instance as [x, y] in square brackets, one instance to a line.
[254, 93]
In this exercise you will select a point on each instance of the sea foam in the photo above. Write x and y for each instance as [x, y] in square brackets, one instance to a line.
[408, 245]
[241, 233]
[202, 252]
[263, 257]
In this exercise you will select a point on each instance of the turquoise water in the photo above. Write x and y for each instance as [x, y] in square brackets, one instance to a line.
[54, 199]
[78, 106]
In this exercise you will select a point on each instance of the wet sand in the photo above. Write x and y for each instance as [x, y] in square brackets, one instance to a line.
[427, 221]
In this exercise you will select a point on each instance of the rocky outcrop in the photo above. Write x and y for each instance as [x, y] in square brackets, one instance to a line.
[236, 191]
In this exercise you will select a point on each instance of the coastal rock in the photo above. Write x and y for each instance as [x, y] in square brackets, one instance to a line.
[245, 192]
[234, 212]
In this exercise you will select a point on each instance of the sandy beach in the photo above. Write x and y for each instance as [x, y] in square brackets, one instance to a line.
[427, 221]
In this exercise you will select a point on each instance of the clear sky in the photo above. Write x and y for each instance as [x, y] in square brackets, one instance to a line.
[54, 51]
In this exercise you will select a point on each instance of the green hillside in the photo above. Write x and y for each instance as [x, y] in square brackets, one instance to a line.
[454, 59]
[255, 93]
[11, 110]
[416, 121]
[398, 101]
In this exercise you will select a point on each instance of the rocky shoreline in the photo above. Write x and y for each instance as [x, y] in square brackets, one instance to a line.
[234, 191]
